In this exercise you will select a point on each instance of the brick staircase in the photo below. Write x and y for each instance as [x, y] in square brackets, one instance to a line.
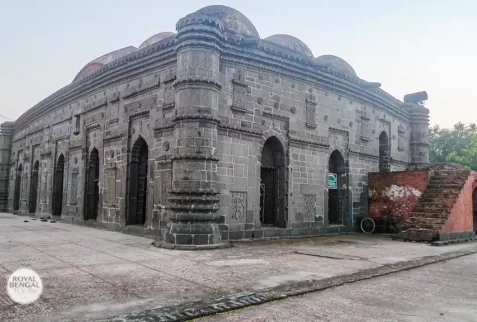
[433, 209]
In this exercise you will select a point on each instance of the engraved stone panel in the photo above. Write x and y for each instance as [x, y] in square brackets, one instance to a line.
[311, 111]
[74, 188]
[310, 207]
[239, 205]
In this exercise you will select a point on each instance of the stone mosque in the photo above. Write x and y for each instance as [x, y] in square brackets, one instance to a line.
[208, 135]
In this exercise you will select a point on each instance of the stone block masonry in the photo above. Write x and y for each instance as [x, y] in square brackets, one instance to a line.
[208, 135]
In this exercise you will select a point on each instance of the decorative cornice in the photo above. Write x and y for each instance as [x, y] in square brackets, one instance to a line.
[196, 117]
[240, 130]
[339, 131]
[393, 160]
[113, 137]
[91, 127]
[275, 116]
[322, 142]
[204, 157]
[139, 114]
[241, 110]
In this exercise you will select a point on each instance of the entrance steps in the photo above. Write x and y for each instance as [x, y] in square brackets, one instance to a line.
[431, 215]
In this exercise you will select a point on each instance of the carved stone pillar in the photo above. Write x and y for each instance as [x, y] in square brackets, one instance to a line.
[419, 119]
[6, 135]
[194, 194]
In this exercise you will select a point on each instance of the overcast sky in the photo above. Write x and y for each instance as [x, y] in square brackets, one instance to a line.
[406, 45]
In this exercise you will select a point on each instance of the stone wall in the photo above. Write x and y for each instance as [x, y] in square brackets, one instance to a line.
[196, 127]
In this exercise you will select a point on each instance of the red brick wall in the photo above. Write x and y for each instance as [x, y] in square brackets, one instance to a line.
[461, 218]
[396, 192]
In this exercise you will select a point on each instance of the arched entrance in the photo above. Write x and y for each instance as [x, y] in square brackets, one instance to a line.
[58, 186]
[92, 186]
[474, 208]
[384, 158]
[137, 190]
[18, 183]
[337, 194]
[33, 188]
[272, 184]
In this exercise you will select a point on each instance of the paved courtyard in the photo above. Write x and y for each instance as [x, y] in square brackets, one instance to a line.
[441, 292]
[90, 273]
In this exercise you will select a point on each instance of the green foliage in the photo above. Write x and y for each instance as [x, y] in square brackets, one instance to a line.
[456, 145]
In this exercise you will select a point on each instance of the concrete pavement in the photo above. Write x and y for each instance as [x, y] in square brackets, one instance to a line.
[93, 274]
[440, 292]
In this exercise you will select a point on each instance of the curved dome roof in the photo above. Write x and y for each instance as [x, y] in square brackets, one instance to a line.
[99, 62]
[291, 43]
[232, 20]
[156, 38]
[337, 64]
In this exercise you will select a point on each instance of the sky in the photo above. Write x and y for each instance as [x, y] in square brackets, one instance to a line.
[407, 45]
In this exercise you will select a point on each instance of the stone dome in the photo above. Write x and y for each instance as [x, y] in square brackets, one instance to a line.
[291, 43]
[232, 20]
[337, 64]
[156, 38]
[99, 62]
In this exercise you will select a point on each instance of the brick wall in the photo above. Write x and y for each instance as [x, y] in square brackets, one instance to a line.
[461, 217]
[396, 192]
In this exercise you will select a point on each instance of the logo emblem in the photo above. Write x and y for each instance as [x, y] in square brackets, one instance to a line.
[24, 286]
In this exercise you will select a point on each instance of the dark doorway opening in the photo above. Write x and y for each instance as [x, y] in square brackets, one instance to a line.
[474, 208]
[33, 188]
[137, 192]
[273, 184]
[337, 198]
[18, 183]
[58, 186]
[384, 158]
[92, 186]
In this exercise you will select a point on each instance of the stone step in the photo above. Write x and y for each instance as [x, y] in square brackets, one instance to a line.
[434, 182]
[430, 215]
[419, 234]
[437, 195]
[445, 185]
[434, 190]
[462, 172]
[414, 221]
[439, 203]
[420, 208]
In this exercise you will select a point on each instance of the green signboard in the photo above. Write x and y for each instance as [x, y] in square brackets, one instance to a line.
[332, 181]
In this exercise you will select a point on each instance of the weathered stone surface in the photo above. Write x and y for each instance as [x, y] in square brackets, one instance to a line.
[181, 138]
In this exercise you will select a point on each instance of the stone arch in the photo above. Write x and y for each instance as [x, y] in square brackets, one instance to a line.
[91, 198]
[57, 202]
[18, 183]
[384, 153]
[33, 187]
[273, 184]
[337, 196]
[474, 207]
[137, 183]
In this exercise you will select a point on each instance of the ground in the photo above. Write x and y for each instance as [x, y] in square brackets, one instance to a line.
[95, 274]
[439, 292]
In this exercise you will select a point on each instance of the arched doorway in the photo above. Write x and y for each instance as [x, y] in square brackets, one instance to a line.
[58, 186]
[33, 188]
[137, 191]
[384, 158]
[272, 184]
[18, 183]
[474, 208]
[92, 186]
[337, 193]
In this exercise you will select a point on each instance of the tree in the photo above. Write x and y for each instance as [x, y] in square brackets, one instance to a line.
[456, 145]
